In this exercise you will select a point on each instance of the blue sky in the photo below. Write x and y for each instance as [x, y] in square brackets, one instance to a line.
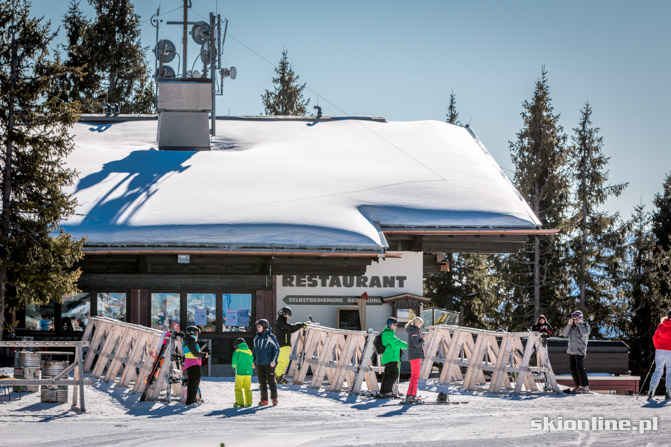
[402, 59]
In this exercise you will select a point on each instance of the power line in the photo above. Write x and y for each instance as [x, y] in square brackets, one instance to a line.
[337, 108]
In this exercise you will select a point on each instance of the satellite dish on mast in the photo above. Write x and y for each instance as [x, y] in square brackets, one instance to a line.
[205, 54]
[165, 72]
[165, 51]
[229, 72]
[200, 32]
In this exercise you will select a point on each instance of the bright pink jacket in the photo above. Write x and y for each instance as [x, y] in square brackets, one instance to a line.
[662, 337]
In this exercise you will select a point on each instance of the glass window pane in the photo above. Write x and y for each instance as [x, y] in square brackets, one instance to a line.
[237, 312]
[40, 318]
[112, 305]
[427, 316]
[165, 308]
[75, 311]
[201, 311]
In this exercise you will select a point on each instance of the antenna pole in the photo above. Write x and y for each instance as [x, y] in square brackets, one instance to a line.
[156, 73]
[184, 33]
[213, 56]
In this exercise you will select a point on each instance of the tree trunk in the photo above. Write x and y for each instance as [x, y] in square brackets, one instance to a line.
[537, 275]
[583, 231]
[7, 183]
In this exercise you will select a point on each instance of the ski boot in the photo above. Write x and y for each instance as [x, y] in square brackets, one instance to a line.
[281, 380]
[263, 402]
[668, 394]
[651, 395]
[275, 402]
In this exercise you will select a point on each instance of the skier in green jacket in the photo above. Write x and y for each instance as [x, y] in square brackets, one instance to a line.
[243, 363]
[391, 357]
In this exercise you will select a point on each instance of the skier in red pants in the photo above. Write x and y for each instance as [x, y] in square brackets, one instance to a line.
[415, 355]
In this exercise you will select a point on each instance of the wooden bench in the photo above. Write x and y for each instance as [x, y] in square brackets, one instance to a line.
[628, 384]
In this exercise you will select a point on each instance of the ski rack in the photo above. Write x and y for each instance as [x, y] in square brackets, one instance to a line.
[504, 355]
[125, 353]
[339, 359]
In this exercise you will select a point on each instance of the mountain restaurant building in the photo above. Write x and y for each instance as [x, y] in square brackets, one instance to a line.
[309, 213]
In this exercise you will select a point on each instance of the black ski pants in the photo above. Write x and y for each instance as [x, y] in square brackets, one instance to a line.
[389, 377]
[193, 373]
[577, 365]
[266, 379]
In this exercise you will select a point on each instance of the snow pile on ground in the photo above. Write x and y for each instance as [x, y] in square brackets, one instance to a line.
[306, 417]
[286, 184]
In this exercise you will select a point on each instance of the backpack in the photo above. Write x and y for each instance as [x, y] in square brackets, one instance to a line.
[377, 342]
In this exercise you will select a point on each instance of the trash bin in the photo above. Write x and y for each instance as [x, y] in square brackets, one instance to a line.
[54, 393]
[29, 368]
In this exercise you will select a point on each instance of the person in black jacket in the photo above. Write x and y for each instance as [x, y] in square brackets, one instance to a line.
[415, 355]
[265, 350]
[284, 331]
[544, 328]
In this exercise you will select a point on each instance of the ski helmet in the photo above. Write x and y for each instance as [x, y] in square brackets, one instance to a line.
[391, 320]
[577, 315]
[263, 322]
[237, 342]
[286, 310]
[442, 397]
[193, 330]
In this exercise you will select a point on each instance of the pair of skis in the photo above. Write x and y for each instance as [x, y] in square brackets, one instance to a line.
[173, 355]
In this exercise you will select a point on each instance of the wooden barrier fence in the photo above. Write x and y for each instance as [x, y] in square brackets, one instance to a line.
[125, 353]
[505, 356]
[342, 360]
[339, 359]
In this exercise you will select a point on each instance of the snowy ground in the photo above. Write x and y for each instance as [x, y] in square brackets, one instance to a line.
[309, 418]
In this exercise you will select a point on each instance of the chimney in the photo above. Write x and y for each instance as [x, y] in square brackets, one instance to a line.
[183, 106]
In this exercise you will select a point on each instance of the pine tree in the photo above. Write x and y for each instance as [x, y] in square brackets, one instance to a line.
[661, 228]
[638, 294]
[597, 237]
[540, 158]
[109, 51]
[36, 257]
[471, 287]
[287, 97]
[452, 115]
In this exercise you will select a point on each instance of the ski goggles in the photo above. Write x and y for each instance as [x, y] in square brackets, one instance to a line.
[577, 315]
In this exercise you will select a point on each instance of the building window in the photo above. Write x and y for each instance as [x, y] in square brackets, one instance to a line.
[201, 311]
[75, 311]
[237, 312]
[165, 309]
[112, 305]
[40, 318]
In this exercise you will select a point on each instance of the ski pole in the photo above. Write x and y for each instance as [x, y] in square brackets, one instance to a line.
[644, 380]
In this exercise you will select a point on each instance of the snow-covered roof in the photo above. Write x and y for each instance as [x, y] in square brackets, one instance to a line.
[287, 185]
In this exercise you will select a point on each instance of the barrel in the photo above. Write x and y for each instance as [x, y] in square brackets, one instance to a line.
[54, 393]
[29, 368]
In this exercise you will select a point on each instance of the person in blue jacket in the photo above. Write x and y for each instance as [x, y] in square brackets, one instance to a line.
[265, 350]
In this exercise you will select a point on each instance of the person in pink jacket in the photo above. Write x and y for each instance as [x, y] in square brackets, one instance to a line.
[662, 342]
